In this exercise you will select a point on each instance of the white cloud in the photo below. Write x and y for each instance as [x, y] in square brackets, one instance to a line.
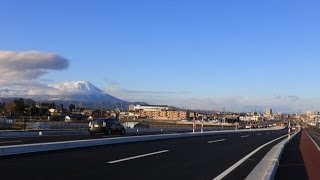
[19, 72]
[235, 103]
[26, 88]
[28, 65]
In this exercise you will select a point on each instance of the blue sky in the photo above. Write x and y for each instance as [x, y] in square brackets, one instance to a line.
[178, 52]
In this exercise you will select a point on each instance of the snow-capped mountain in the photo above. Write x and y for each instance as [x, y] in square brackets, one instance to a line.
[82, 87]
[81, 93]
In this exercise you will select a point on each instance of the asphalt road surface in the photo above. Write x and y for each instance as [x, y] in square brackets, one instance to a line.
[197, 158]
[315, 137]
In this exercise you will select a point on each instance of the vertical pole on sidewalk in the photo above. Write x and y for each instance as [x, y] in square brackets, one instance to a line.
[202, 125]
[289, 129]
[193, 125]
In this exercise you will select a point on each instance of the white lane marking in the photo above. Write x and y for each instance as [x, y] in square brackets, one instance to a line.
[230, 169]
[312, 140]
[245, 136]
[3, 142]
[315, 133]
[259, 134]
[220, 140]
[136, 157]
[267, 133]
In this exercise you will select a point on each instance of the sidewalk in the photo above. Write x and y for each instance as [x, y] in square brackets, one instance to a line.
[300, 159]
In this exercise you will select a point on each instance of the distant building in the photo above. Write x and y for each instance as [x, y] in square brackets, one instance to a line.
[87, 112]
[314, 116]
[164, 115]
[135, 108]
[268, 113]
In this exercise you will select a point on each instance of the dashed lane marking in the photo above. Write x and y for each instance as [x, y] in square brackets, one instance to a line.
[215, 141]
[136, 157]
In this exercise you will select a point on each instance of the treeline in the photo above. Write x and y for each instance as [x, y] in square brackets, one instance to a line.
[20, 107]
[29, 107]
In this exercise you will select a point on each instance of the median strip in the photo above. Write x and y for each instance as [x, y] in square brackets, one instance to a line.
[136, 157]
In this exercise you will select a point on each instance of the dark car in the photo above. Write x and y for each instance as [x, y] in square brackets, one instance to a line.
[106, 126]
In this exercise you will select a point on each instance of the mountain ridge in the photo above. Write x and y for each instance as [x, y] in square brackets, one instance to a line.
[81, 93]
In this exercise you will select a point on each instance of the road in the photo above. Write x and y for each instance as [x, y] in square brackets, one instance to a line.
[203, 157]
[315, 137]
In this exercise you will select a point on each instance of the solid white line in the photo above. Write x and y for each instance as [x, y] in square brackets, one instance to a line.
[209, 142]
[312, 140]
[315, 133]
[136, 157]
[3, 142]
[259, 134]
[245, 136]
[230, 169]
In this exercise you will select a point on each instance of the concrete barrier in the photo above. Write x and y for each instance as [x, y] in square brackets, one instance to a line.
[39, 147]
[267, 167]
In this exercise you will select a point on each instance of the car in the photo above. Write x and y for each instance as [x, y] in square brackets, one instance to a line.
[106, 126]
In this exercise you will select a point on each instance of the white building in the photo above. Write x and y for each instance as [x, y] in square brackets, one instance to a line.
[134, 108]
[268, 112]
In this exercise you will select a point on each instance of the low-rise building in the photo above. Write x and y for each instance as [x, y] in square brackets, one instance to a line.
[135, 108]
[164, 115]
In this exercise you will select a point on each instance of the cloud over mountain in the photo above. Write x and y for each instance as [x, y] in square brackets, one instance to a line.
[28, 65]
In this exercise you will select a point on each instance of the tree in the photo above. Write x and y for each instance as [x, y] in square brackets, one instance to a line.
[2, 108]
[19, 106]
[72, 107]
[52, 105]
[9, 108]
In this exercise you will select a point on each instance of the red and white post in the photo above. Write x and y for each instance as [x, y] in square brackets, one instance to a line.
[289, 130]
